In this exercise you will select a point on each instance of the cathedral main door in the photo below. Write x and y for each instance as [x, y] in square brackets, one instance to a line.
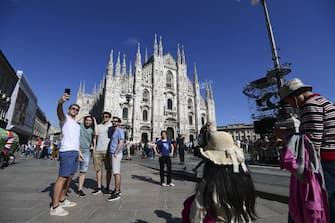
[144, 137]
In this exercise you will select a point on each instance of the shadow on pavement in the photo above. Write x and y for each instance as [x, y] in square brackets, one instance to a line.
[140, 221]
[89, 183]
[146, 179]
[178, 174]
[183, 175]
[49, 189]
[167, 216]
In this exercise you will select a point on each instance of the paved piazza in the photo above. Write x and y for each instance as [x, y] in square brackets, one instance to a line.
[26, 187]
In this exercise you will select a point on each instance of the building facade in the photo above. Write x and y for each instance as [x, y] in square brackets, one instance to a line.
[41, 125]
[22, 110]
[8, 80]
[241, 132]
[158, 95]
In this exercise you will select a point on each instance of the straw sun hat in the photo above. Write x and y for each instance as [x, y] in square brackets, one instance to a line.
[294, 86]
[222, 150]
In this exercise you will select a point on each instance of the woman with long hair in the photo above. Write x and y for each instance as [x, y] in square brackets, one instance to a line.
[226, 192]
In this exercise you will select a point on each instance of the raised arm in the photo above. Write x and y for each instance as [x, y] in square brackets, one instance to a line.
[81, 117]
[60, 112]
[96, 131]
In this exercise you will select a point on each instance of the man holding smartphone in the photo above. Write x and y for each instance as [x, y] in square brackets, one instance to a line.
[68, 156]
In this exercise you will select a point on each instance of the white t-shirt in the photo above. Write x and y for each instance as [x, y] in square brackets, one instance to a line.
[71, 134]
[103, 140]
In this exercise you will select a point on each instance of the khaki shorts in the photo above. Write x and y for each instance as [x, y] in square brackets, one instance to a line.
[100, 158]
[116, 163]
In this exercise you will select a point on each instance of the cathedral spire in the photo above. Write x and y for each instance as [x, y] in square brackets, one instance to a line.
[124, 66]
[211, 90]
[146, 55]
[206, 89]
[138, 56]
[80, 87]
[178, 55]
[83, 88]
[95, 88]
[195, 73]
[118, 65]
[160, 47]
[183, 55]
[130, 69]
[155, 46]
[100, 86]
[110, 64]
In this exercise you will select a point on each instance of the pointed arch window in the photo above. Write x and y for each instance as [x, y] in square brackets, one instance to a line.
[146, 95]
[169, 104]
[190, 120]
[202, 121]
[125, 113]
[169, 80]
[145, 115]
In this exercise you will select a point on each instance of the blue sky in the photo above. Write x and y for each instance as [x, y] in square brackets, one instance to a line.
[58, 43]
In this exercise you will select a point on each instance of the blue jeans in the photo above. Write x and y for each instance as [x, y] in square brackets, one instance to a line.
[329, 174]
[83, 165]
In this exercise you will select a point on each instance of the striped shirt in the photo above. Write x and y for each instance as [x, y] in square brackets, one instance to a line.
[318, 122]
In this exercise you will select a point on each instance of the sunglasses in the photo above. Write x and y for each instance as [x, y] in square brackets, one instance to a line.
[115, 121]
[76, 109]
[106, 116]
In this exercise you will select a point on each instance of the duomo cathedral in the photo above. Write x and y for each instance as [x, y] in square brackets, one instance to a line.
[156, 95]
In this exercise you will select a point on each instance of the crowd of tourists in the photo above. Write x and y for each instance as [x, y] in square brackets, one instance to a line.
[226, 192]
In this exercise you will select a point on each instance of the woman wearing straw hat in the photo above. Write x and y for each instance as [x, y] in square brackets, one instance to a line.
[226, 192]
[318, 123]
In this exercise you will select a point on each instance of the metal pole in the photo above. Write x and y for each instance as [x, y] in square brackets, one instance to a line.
[275, 56]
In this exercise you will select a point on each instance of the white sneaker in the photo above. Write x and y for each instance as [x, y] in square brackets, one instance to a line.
[58, 211]
[67, 203]
[163, 185]
[171, 185]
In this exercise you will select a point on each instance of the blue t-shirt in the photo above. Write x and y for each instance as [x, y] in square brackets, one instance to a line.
[164, 147]
[118, 134]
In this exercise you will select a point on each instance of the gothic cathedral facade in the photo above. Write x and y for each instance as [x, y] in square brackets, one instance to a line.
[157, 96]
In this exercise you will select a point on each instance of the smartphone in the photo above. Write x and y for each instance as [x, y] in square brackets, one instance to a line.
[67, 90]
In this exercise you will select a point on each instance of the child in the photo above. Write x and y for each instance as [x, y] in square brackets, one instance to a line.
[226, 192]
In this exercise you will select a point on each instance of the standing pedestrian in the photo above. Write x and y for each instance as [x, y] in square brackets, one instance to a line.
[318, 124]
[226, 192]
[45, 148]
[115, 152]
[181, 148]
[68, 156]
[38, 146]
[87, 140]
[100, 155]
[128, 145]
[164, 150]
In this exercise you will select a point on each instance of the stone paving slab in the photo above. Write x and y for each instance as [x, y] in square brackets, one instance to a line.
[26, 189]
